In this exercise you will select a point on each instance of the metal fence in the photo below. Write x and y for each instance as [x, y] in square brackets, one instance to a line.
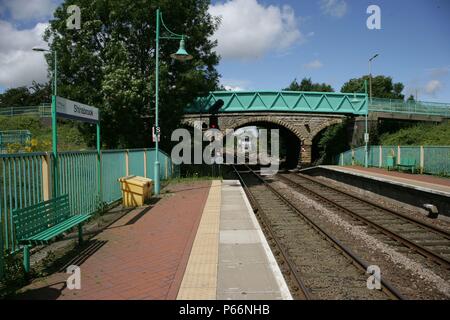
[13, 136]
[43, 110]
[429, 159]
[376, 105]
[26, 179]
[410, 107]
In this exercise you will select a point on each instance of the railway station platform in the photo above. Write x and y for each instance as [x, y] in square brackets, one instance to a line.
[200, 241]
[417, 190]
[417, 181]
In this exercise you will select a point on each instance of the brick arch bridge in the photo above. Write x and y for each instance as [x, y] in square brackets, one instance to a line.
[304, 127]
[304, 114]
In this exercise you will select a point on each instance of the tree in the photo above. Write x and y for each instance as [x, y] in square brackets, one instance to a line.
[110, 63]
[411, 98]
[34, 95]
[331, 142]
[382, 87]
[307, 85]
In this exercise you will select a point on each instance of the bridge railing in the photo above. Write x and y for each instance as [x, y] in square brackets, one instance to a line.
[43, 110]
[280, 101]
[429, 159]
[409, 107]
[13, 136]
[26, 179]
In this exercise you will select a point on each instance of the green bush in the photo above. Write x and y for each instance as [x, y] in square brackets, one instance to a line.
[420, 134]
[15, 276]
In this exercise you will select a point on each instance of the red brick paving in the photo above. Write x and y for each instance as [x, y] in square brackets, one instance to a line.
[417, 177]
[142, 260]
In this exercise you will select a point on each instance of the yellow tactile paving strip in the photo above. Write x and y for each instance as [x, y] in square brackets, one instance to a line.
[200, 278]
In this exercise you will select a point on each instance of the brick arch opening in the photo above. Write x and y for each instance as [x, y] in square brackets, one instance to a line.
[300, 133]
[316, 135]
[290, 139]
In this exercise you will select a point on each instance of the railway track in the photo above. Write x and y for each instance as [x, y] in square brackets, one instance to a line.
[319, 266]
[424, 239]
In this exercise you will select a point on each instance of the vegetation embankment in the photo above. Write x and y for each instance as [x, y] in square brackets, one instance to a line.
[419, 134]
[69, 136]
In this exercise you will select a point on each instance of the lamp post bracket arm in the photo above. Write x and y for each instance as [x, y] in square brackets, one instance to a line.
[172, 34]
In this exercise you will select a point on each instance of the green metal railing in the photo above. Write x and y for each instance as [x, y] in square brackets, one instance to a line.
[20, 186]
[77, 174]
[13, 136]
[429, 159]
[281, 101]
[113, 167]
[299, 101]
[136, 163]
[410, 107]
[26, 179]
[43, 110]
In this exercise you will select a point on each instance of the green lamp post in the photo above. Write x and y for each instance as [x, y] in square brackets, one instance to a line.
[366, 133]
[54, 128]
[180, 55]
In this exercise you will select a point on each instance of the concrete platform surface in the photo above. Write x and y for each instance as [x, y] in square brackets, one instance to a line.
[143, 255]
[247, 267]
[200, 241]
[421, 182]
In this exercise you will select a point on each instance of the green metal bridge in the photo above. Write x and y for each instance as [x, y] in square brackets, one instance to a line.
[315, 102]
[286, 101]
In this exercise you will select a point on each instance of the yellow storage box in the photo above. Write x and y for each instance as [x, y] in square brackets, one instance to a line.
[135, 190]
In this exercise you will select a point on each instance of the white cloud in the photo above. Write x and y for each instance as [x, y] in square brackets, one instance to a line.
[334, 8]
[28, 9]
[439, 72]
[19, 65]
[235, 84]
[315, 64]
[249, 30]
[233, 88]
[433, 86]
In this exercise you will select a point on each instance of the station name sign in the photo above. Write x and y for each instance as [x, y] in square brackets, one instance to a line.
[66, 108]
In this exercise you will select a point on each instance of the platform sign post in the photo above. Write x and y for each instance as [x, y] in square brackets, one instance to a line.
[55, 148]
[74, 110]
[99, 165]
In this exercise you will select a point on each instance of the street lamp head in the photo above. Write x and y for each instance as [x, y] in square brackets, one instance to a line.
[376, 55]
[39, 49]
[181, 54]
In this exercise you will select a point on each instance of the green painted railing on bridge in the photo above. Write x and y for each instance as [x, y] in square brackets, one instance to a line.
[429, 159]
[299, 101]
[26, 179]
[296, 101]
[410, 107]
[282, 101]
[43, 110]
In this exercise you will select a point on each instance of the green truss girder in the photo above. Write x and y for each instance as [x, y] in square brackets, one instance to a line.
[283, 101]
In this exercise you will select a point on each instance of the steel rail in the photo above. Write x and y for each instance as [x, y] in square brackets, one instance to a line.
[408, 243]
[388, 288]
[293, 269]
[422, 224]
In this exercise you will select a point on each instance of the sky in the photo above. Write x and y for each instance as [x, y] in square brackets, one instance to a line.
[265, 44]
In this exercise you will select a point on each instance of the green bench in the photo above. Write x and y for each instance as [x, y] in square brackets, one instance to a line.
[39, 224]
[407, 163]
